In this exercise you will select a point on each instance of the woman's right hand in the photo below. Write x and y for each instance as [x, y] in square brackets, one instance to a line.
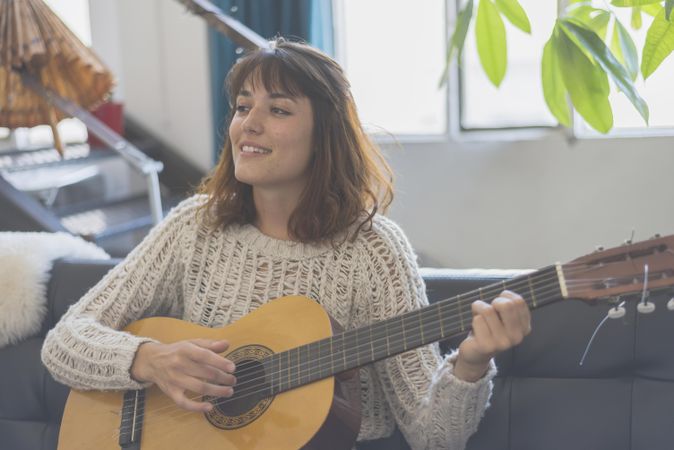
[183, 366]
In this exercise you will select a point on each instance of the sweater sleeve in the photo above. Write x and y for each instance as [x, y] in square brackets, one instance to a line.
[433, 408]
[85, 350]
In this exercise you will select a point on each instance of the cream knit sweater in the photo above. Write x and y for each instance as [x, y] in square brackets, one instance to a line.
[213, 277]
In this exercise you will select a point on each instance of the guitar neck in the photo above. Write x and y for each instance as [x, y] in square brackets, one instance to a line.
[365, 345]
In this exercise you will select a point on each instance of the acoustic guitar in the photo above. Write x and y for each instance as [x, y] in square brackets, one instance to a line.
[297, 386]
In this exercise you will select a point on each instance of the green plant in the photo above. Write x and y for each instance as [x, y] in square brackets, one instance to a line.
[581, 55]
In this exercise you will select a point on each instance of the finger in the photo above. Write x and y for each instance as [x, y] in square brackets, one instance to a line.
[210, 374]
[508, 311]
[525, 319]
[482, 335]
[217, 346]
[183, 401]
[206, 357]
[523, 310]
[205, 388]
[498, 333]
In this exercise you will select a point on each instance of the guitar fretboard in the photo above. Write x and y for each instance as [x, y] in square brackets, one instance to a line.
[441, 320]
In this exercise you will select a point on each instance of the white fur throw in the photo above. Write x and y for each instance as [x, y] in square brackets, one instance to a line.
[25, 262]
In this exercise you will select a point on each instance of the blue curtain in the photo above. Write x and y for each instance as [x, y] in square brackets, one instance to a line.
[310, 20]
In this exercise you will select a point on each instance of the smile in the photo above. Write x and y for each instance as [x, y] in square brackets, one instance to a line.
[251, 149]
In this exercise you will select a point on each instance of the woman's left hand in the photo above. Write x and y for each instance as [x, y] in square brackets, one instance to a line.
[496, 327]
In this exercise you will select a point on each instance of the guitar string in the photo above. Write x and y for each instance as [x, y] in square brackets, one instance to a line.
[242, 372]
[182, 413]
[302, 367]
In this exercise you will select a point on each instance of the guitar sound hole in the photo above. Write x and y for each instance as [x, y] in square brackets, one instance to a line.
[251, 388]
[252, 393]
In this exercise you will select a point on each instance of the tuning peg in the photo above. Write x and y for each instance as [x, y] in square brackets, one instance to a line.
[670, 304]
[647, 307]
[599, 248]
[617, 312]
[656, 236]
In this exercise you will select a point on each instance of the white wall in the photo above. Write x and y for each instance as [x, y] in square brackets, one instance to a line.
[529, 204]
[160, 53]
[508, 205]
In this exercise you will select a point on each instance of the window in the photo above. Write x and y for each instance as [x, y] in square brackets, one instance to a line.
[519, 101]
[393, 53]
[394, 69]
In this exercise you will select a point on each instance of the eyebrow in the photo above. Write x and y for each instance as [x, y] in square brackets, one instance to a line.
[273, 95]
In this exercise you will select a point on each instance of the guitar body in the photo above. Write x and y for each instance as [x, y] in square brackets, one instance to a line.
[324, 414]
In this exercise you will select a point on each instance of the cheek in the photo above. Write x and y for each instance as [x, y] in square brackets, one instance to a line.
[234, 128]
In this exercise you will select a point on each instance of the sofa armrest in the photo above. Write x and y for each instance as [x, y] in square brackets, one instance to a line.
[70, 279]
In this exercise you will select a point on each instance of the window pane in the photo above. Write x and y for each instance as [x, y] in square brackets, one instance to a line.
[393, 54]
[519, 101]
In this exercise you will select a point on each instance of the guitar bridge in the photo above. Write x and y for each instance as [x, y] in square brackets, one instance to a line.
[131, 424]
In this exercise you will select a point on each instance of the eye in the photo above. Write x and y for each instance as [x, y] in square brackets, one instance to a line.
[280, 111]
[242, 108]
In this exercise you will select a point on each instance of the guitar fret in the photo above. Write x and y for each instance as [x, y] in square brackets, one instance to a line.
[531, 290]
[440, 319]
[343, 351]
[460, 309]
[298, 379]
[421, 326]
[357, 349]
[371, 343]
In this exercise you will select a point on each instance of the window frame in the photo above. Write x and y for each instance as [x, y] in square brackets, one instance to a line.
[454, 130]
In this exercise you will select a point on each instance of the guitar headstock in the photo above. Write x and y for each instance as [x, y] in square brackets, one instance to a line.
[622, 270]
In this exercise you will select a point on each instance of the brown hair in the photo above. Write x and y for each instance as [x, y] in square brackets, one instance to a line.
[349, 178]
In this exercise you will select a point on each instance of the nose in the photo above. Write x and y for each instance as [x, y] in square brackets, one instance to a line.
[253, 123]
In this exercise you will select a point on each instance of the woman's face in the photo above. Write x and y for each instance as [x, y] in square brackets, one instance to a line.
[271, 135]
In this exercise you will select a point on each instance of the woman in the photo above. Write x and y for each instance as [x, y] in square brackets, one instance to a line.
[291, 209]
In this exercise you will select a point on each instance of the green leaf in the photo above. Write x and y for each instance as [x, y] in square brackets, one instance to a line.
[668, 8]
[636, 18]
[652, 10]
[595, 18]
[624, 49]
[587, 84]
[554, 90]
[515, 14]
[599, 23]
[491, 41]
[659, 44]
[603, 56]
[458, 38]
[633, 2]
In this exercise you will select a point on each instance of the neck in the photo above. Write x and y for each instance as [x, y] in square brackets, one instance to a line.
[441, 320]
[273, 211]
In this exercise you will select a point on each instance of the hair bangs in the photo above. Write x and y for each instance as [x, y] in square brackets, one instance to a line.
[268, 69]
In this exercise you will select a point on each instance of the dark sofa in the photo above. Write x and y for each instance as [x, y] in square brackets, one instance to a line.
[621, 398]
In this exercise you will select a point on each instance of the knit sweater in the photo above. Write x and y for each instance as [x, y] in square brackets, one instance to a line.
[213, 277]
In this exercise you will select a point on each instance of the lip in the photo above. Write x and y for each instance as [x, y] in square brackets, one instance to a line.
[251, 144]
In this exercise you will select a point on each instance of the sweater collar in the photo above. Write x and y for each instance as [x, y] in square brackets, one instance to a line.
[269, 246]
